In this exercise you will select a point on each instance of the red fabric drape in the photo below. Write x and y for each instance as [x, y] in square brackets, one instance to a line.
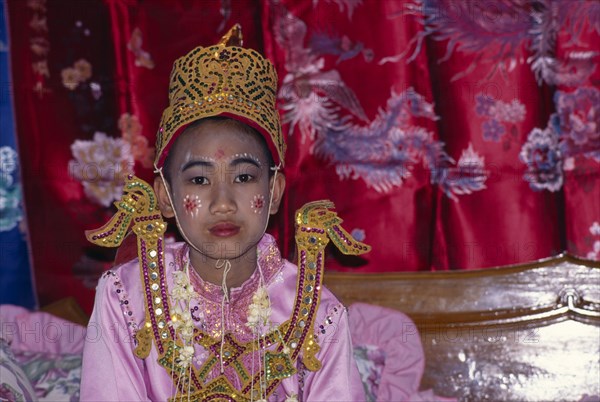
[506, 223]
[450, 135]
[351, 77]
[582, 173]
[476, 63]
[47, 37]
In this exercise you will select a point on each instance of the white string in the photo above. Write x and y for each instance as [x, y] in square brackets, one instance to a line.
[168, 191]
[220, 264]
[271, 192]
[263, 369]
[252, 375]
[189, 382]
[173, 369]
[189, 305]
[262, 362]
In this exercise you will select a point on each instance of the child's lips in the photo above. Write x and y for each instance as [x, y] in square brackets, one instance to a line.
[224, 229]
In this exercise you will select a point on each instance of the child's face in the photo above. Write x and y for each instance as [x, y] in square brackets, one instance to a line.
[220, 188]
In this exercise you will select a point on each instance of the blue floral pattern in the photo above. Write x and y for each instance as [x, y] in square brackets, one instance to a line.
[492, 130]
[577, 122]
[543, 158]
[311, 95]
[14, 384]
[54, 377]
[10, 190]
[343, 47]
[468, 26]
[370, 361]
[574, 130]
[497, 115]
[385, 152]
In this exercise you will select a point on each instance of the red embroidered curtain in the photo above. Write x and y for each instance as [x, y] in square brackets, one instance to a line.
[449, 134]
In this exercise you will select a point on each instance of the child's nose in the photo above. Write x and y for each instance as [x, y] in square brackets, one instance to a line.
[223, 200]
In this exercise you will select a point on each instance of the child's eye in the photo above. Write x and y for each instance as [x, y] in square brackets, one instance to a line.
[244, 178]
[201, 180]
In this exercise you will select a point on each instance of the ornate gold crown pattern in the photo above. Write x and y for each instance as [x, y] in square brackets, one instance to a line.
[222, 80]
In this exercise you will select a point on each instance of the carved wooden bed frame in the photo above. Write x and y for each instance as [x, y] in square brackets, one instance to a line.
[524, 332]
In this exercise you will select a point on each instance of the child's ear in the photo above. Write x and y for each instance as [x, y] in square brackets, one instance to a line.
[163, 199]
[278, 190]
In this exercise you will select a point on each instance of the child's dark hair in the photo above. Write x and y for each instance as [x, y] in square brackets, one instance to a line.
[226, 120]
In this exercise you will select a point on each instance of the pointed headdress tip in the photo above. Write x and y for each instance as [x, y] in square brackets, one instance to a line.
[233, 37]
[207, 82]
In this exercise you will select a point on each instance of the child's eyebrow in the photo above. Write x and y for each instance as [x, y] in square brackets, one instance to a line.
[235, 160]
[238, 159]
[193, 163]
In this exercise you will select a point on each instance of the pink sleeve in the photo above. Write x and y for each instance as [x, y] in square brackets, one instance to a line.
[338, 379]
[110, 370]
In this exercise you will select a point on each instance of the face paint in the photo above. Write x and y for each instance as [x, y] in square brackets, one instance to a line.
[258, 203]
[191, 204]
[219, 154]
[189, 157]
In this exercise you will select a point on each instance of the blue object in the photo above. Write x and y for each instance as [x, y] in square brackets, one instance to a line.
[15, 270]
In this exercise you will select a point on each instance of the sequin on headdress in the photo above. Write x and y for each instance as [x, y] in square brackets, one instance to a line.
[222, 80]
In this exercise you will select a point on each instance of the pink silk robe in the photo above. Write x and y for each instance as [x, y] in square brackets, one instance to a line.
[112, 372]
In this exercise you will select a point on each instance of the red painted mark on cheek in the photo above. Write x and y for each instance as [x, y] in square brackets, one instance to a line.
[258, 203]
[191, 204]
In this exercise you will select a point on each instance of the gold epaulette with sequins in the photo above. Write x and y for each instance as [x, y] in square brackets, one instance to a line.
[316, 224]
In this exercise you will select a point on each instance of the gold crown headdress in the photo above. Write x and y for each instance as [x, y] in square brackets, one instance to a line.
[222, 80]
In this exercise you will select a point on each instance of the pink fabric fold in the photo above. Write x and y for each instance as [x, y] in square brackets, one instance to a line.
[40, 332]
[397, 336]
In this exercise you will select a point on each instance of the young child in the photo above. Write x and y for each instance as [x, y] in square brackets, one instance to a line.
[220, 316]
